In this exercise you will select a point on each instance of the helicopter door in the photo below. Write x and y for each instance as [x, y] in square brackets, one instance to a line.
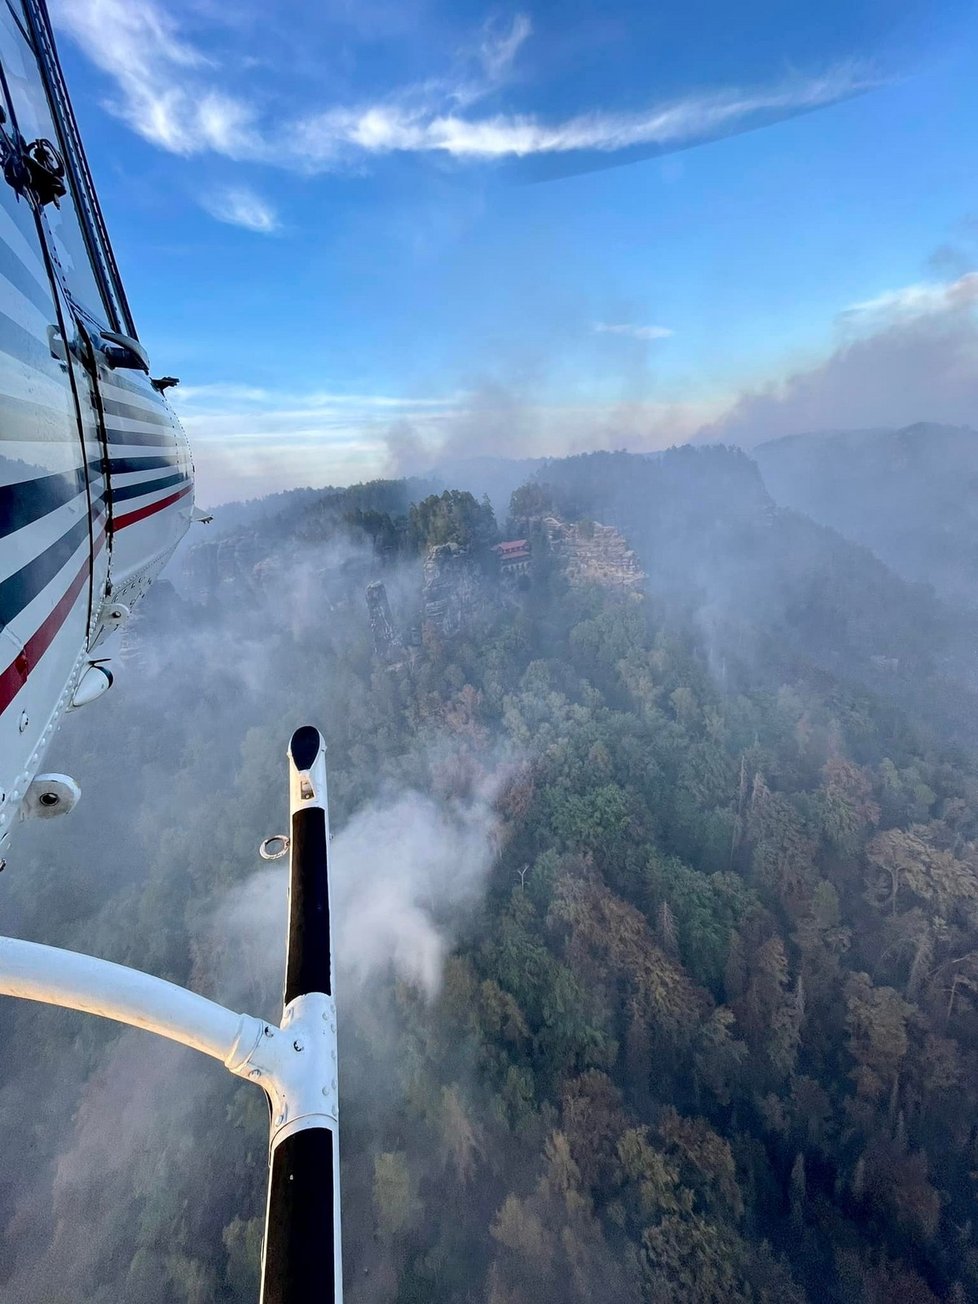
[51, 500]
[138, 457]
[55, 232]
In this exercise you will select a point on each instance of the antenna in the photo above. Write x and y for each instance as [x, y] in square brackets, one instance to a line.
[294, 1064]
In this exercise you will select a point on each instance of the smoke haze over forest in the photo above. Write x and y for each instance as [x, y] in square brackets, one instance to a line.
[907, 356]
[654, 870]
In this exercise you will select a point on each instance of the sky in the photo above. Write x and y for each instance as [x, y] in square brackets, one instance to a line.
[370, 234]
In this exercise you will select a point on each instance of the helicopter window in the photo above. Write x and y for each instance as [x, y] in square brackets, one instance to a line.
[34, 119]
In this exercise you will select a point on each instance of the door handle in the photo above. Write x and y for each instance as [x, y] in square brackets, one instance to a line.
[123, 351]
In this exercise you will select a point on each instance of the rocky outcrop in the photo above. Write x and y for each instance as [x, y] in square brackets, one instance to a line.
[388, 643]
[591, 553]
[223, 564]
[453, 588]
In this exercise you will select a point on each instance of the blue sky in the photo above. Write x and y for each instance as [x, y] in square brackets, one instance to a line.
[344, 225]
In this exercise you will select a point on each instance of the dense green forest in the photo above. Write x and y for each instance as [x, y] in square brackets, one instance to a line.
[657, 911]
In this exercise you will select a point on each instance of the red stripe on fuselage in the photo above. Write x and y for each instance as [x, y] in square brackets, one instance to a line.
[13, 679]
[140, 514]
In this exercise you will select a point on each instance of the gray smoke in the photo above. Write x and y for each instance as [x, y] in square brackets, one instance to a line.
[918, 362]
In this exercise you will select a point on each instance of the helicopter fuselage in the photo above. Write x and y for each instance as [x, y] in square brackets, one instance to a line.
[96, 478]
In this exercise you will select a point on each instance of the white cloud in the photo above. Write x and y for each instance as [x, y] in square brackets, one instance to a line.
[631, 331]
[324, 139]
[239, 206]
[171, 93]
[249, 441]
[165, 88]
[310, 401]
[498, 48]
[220, 392]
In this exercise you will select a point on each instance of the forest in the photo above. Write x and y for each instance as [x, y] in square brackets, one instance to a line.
[656, 908]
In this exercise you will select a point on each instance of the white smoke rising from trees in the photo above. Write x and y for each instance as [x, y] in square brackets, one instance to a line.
[408, 865]
[401, 872]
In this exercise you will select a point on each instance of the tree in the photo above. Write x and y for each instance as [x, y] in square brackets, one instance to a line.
[907, 864]
[528, 503]
[593, 1120]
[552, 1244]
[459, 1137]
[877, 1023]
[782, 852]
[848, 808]
[705, 1163]
[454, 516]
[767, 1010]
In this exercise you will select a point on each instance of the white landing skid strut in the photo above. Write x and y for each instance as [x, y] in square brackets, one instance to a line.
[294, 1064]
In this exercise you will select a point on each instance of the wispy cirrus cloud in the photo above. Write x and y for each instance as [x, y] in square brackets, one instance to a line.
[630, 331]
[166, 90]
[329, 138]
[177, 98]
[239, 206]
[499, 45]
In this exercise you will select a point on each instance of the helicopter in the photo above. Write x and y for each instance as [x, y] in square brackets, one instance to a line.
[96, 475]
[96, 491]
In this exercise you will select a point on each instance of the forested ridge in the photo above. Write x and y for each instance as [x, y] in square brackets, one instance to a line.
[909, 494]
[688, 1013]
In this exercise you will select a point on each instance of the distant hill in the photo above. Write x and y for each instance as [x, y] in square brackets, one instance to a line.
[771, 591]
[235, 515]
[772, 595]
[910, 495]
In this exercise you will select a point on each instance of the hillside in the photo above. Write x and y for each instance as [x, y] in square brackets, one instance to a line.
[774, 596]
[911, 495]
